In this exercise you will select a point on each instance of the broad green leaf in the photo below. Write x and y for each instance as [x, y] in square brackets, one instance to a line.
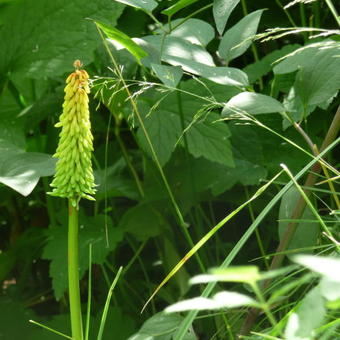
[317, 79]
[329, 289]
[328, 267]
[21, 170]
[246, 142]
[14, 319]
[161, 326]
[306, 233]
[231, 274]
[218, 301]
[122, 39]
[244, 172]
[195, 59]
[238, 38]
[222, 10]
[9, 109]
[146, 5]
[309, 316]
[169, 75]
[118, 322]
[92, 230]
[40, 39]
[114, 182]
[295, 107]
[204, 136]
[208, 138]
[252, 103]
[143, 221]
[181, 48]
[265, 65]
[195, 31]
[221, 75]
[303, 56]
[170, 11]
[163, 127]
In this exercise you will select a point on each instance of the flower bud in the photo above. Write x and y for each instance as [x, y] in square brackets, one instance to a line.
[74, 175]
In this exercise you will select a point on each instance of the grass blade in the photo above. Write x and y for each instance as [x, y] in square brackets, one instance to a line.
[50, 329]
[186, 323]
[107, 305]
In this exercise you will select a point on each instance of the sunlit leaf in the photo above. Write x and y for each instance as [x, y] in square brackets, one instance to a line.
[309, 316]
[196, 31]
[169, 75]
[238, 38]
[218, 301]
[231, 274]
[306, 233]
[147, 5]
[252, 103]
[123, 39]
[326, 266]
[222, 10]
[170, 11]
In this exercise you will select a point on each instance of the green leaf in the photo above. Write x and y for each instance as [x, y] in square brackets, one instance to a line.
[161, 326]
[317, 80]
[122, 39]
[309, 316]
[114, 182]
[329, 289]
[92, 230]
[306, 233]
[231, 274]
[195, 59]
[221, 75]
[180, 48]
[209, 139]
[195, 31]
[118, 322]
[220, 300]
[204, 136]
[222, 10]
[21, 170]
[265, 65]
[40, 39]
[238, 38]
[170, 11]
[146, 5]
[244, 172]
[169, 75]
[143, 221]
[14, 319]
[252, 103]
[328, 267]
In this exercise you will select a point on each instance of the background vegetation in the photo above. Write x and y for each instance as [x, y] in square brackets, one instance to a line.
[190, 119]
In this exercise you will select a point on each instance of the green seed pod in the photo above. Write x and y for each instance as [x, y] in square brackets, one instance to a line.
[74, 175]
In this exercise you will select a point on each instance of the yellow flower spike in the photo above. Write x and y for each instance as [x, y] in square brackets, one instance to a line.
[74, 175]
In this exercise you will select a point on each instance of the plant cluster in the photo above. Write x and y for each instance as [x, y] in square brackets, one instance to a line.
[212, 155]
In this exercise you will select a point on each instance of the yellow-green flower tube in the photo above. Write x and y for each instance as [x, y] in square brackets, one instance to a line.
[74, 175]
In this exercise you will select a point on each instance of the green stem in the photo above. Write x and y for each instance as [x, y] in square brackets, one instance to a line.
[73, 274]
[333, 10]
[264, 304]
[175, 206]
[253, 46]
[257, 233]
[303, 20]
[291, 20]
[128, 161]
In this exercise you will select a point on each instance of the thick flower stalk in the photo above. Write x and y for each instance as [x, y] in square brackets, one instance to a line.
[74, 175]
